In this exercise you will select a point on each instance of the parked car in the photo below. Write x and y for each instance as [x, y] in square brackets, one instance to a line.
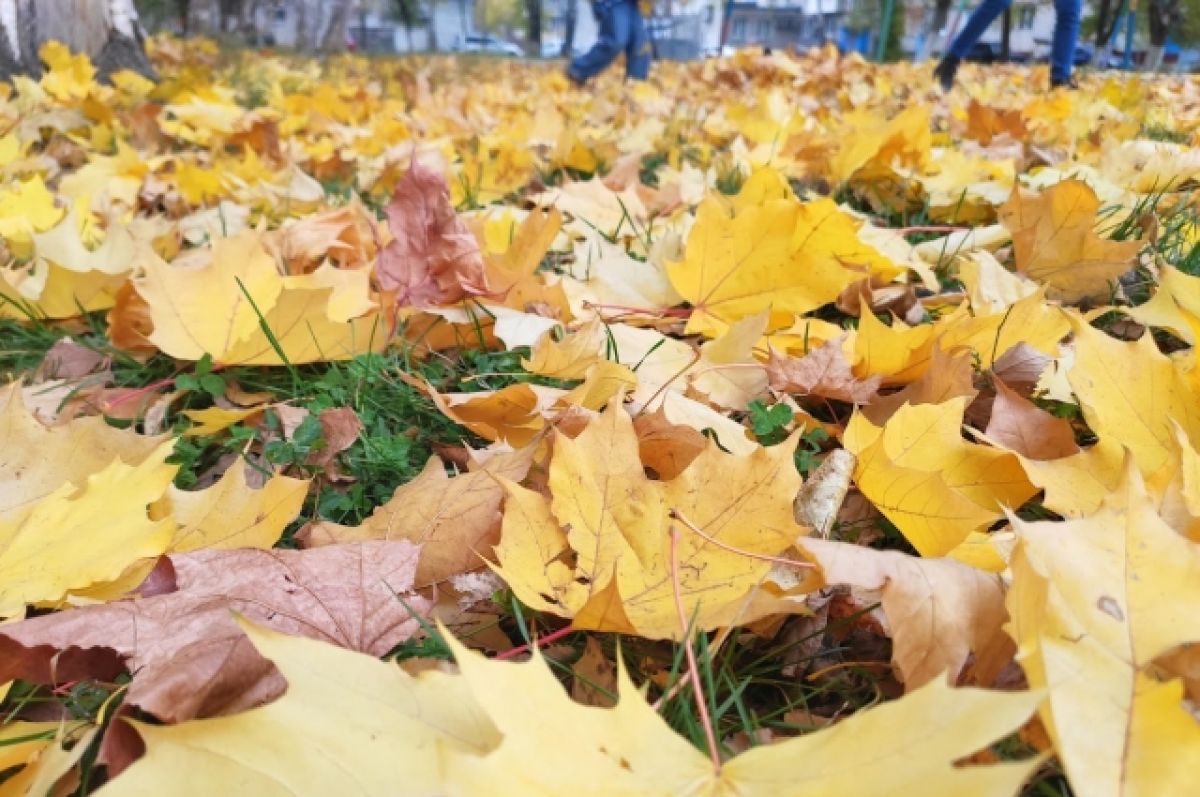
[482, 43]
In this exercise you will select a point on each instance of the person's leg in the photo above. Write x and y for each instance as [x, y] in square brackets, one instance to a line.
[976, 25]
[613, 34]
[638, 51]
[1066, 36]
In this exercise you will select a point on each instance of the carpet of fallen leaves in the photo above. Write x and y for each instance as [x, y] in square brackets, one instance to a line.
[775, 427]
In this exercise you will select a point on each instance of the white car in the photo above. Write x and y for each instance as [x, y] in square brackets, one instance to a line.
[482, 43]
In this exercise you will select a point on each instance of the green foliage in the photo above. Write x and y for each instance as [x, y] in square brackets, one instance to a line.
[203, 379]
[769, 424]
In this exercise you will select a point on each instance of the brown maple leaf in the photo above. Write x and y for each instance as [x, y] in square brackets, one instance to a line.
[433, 258]
[188, 655]
[822, 372]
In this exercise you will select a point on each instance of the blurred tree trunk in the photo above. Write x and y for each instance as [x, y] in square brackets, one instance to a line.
[434, 44]
[301, 42]
[1163, 14]
[248, 23]
[533, 27]
[335, 35]
[109, 31]
[569, 34]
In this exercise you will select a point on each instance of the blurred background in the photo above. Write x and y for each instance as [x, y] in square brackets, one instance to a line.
[1130, 34]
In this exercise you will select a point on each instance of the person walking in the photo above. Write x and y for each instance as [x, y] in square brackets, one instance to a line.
[1062, 51]
[622, 29]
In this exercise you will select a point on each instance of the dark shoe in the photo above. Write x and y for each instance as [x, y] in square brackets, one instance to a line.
[575, 79]
[1064, 83]
[945, 71]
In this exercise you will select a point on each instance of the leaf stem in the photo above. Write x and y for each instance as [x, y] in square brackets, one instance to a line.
[677, 515]
[693, 673]
[540, 642]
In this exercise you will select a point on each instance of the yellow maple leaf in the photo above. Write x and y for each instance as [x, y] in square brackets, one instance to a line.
[456, 519]
[80, 536]
[308, 315]
[41, 459]
[1175, 305]
[869, 144]
[613, 522]
[1094, 601]
[1132, 394]
[779, 255]
[70, 77]
[211, 420]
[936, 487]
[1055, 241]
[230, 514]
[238, 277]
[478, 723]
[26, 207]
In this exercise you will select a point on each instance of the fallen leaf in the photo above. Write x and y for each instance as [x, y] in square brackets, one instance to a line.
[456, 520]
[1132, 394]
[936, 487]
[1094, 601]
[211, 420]
[478, 721]
[939, 611]
[77, 537]
[433, 258]
[188, 655]
[822, 372]
[599, 549]
[1021, 426]
[594, 677]
[950, 376]
[67, 359]
[40, 459]
[229, 514]
[666, 448]
[778, 256]
[1056, 244]
[340, 428]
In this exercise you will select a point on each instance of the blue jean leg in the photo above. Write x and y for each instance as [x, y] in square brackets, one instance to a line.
[977, 23]
[620, 26]
[1066, 36]
[639, 51]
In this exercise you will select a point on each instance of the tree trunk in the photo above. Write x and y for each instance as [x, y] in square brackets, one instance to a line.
[1006, 36]
[1106, 24]
[569, 33]
[434, 44]
[248, 24]
[107, 30]
[335, 35]
[301, 42]
[533, 27]
[1163, 15]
